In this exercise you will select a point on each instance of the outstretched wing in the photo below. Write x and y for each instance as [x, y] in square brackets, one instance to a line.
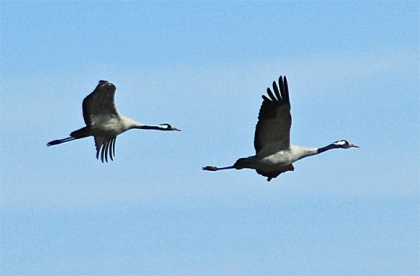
[274, 119]
[100, 103]
[105, 147]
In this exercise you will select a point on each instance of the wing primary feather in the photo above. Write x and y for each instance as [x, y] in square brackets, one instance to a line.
[265, 98]
[103, 152]
[270, 94]
[98, 149]
[276, 91]
[284, 89]
[108, 146]
[98, 146]
[110, 149]
[106, 150]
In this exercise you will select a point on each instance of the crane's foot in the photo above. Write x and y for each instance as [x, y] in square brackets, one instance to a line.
[210, 168]
[55, 142]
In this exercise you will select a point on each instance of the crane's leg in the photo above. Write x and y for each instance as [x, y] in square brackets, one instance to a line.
[77, 134]
[60, 141]
[213, 168]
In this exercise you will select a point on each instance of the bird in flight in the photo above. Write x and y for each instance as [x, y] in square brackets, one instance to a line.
[104, 123]
[274, 153]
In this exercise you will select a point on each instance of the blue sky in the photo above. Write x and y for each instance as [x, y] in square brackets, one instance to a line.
[353, 71]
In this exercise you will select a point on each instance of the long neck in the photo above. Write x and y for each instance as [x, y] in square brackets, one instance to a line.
[299, 152]
[148, 127]
[331, 146]
[131, 124]
[302, 152]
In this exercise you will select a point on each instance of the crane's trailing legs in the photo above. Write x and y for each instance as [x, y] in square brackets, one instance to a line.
[60, 141]
[77, 134]
[214, 168]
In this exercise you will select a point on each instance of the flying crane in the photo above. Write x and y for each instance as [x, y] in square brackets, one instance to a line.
[104, 123]
[274, 153]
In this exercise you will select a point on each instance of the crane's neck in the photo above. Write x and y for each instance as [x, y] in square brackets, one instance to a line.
[132, 124]
[302, 152]
[129, 123]
[329, 147]
[298, 152]
[149, 127]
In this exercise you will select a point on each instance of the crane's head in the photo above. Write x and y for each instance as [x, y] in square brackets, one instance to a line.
[344, 144]
[168, 127]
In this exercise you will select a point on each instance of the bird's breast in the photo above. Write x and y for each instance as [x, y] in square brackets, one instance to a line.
[108, 129]
[278, 159]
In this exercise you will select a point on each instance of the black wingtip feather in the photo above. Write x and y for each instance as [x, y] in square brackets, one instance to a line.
[103, 153]
[276, 90]
[106, 150]
[271, 95]
[281, 92]
[284, 89]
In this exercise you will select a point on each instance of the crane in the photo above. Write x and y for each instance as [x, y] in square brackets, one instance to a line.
[104, 123]
[274, 153]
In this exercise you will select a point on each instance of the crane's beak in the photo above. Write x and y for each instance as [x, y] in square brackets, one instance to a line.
[177, 129]
[353, 146]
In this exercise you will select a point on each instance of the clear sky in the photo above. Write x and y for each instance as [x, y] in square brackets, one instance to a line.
[353, 72]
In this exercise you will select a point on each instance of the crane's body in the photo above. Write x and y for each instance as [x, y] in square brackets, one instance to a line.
[268, 161]
[104, 123]
[107, 126]
[274, 153]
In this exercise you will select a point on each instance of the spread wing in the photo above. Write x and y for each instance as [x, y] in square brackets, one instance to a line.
[105, 147]
[274, 119]
[99, 103]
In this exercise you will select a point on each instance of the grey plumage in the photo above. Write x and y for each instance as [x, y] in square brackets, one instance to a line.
[104, 123]
[274, 153]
